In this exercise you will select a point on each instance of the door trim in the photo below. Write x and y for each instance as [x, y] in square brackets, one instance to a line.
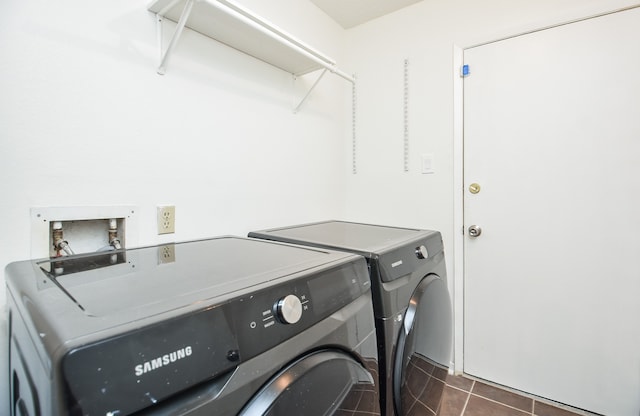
[458, 210]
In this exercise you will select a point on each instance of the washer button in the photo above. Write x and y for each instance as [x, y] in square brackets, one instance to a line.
[233, 355]
[421, 252]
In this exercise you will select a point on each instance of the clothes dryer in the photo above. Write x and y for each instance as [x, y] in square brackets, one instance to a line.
[410, 297]
[225, 326]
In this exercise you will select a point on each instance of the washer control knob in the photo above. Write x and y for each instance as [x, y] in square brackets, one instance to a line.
[421, 252]
[289, 309]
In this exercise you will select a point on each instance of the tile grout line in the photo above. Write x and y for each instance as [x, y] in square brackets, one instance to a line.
[573, 411]
[430, 377]
[431, 380]
[458, 388]
[533, 406]
[533, 399]
[464, 408]
[414, 400]
[504, 404]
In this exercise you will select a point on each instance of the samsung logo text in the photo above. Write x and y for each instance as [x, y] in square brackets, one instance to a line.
[162, 361]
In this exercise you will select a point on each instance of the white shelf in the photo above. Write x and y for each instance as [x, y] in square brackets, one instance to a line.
[240, 29]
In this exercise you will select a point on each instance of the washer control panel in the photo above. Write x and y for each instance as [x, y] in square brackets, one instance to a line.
[266, 318]
[422, 252]
[287, 310]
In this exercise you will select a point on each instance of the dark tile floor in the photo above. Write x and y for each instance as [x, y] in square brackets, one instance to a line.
[363, 398]
[432, 391]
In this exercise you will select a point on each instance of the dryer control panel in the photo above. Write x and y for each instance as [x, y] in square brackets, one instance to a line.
[405, 259]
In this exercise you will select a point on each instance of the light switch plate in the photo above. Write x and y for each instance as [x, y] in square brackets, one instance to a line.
[427, 163]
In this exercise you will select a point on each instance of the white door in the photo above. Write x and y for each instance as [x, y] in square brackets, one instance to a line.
[552, 283]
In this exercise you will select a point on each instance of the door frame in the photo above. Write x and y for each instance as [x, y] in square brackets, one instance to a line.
[458, 177]
[458, 210]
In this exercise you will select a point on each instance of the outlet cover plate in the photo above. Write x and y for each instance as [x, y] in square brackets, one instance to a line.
[167, 253]
[166, 219]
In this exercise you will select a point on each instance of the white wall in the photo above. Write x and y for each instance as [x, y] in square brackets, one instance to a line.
[85, 120]
[425, 34]
[83, 114]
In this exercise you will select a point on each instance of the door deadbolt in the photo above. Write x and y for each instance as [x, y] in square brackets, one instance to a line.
[475, 231]
[474, 188]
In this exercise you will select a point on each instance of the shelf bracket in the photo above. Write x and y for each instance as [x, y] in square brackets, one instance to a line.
[228, 22]
[186, 12]
[324, 71]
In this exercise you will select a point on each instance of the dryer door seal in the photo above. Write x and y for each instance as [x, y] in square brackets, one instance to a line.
[425, 340]
[317, 384]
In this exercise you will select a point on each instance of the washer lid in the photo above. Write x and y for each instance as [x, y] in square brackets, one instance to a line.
[122, 286]
[364, 239]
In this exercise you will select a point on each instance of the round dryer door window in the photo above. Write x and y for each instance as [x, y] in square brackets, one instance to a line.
[322, 383]
[424, 347]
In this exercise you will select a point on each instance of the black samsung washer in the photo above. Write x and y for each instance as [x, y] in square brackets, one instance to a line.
[224, 326]
[410, 298]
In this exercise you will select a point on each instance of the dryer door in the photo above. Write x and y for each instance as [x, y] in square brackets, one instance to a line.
[322, 383]
[424, 347]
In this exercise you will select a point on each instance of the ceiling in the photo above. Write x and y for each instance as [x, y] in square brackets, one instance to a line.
[350, 13]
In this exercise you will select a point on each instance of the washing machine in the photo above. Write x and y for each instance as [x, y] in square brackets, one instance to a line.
[411, 300]
[223, 326]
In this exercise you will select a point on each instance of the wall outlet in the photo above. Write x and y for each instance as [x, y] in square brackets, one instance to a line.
[166, 219]
[167, 254]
